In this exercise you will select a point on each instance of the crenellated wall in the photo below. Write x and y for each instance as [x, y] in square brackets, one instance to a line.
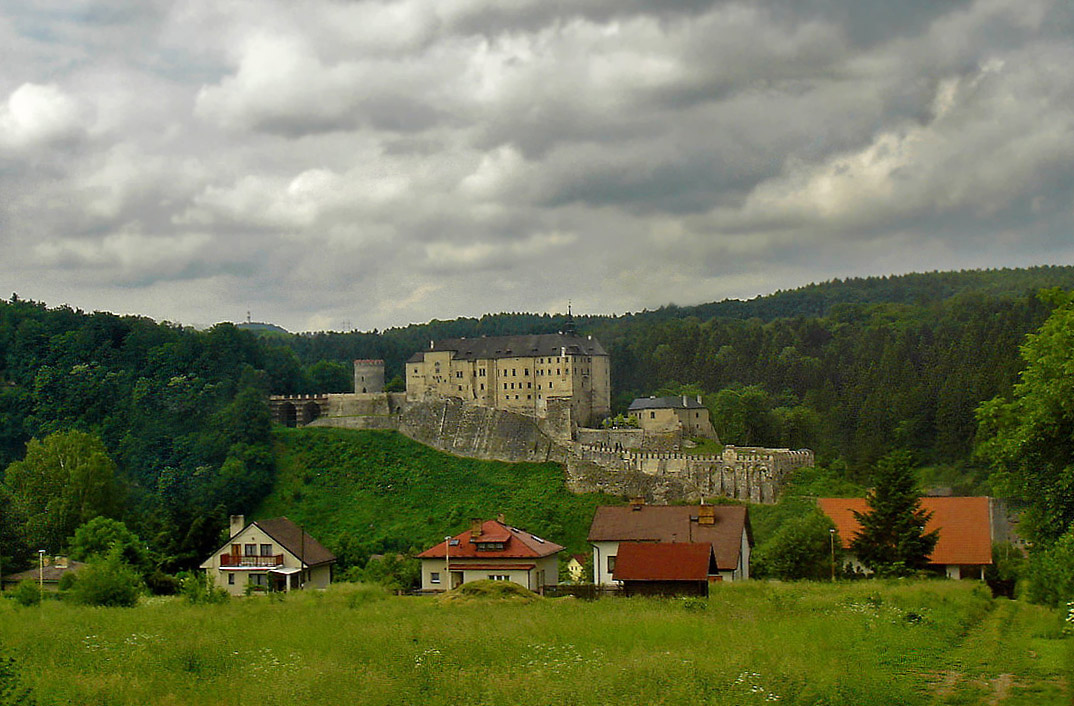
[596, 462]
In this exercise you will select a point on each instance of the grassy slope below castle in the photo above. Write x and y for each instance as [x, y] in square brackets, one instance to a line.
[384, 492]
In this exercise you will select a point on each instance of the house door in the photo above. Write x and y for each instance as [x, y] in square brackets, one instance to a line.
[236, 551]
[456, 579]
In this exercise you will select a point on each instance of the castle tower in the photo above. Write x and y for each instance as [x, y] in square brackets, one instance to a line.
[368, 376]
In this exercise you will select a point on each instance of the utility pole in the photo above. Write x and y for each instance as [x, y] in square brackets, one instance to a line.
[447, 561]
[831, 540]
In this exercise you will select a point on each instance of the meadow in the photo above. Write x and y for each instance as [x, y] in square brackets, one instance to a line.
[931, 642]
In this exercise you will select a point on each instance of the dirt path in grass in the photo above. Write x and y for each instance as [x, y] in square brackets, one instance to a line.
[1000, 661]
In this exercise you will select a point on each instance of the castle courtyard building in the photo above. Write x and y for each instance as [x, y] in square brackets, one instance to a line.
[523, 374]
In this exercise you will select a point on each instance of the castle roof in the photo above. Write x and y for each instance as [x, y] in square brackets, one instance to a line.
[678, 402]
[530, 346]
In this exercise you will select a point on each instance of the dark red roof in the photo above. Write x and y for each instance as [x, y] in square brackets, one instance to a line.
[676, 524]
[664, 562]
[965, 526]
[517, 544]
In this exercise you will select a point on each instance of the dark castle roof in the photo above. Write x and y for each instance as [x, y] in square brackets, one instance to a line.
[545, 344]
[680, 402]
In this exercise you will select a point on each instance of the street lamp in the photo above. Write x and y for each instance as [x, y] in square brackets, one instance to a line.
[447, 562]
[831, 541]
[41, 570]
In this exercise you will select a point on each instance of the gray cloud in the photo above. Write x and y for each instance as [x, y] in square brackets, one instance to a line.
[394, 161]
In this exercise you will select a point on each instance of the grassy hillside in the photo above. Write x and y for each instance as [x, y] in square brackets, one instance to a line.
[388, 493]
[938, 642]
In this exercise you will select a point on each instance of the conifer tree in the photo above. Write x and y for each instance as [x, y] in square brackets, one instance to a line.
[892, 540]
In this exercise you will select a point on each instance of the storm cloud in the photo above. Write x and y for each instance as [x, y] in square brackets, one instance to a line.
[381, 163]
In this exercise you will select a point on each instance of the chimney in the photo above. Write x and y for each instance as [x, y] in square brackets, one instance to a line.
[430, 345]
[637, 502]
[706, 515]
[475, 528]
[699, 399]
[237, 523]
[684, 400]
[61, 562]
[500, 518]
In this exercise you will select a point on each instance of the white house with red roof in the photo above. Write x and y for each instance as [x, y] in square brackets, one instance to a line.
[491, 550]
[964, 546]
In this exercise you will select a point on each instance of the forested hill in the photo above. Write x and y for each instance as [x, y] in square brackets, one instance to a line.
[851, 369]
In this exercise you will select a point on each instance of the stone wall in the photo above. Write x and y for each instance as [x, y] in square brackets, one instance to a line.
[660, 476]
[630, 439]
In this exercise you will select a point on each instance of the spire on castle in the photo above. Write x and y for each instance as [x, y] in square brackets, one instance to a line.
[568, 326]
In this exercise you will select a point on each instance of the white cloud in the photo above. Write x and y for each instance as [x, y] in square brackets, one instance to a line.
[38, 114]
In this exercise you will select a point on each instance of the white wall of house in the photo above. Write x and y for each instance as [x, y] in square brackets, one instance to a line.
[602, 569]
[544, 573]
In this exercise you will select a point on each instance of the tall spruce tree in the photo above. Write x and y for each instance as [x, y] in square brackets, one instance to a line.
[892, 540]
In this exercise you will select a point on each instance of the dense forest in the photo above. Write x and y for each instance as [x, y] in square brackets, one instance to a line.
[178, 422]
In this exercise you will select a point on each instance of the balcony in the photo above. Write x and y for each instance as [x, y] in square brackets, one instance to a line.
[235, 560]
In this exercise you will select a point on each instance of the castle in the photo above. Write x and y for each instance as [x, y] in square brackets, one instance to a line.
[522, 374]
[536, 398]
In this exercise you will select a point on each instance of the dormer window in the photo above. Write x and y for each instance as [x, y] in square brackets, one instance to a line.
[488, 546]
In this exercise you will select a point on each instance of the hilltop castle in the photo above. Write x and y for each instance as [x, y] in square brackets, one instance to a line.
[522, 374]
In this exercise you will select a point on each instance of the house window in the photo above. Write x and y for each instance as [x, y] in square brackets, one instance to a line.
[259, 579]
[499, 577]
[231, 579]
[434, 577]
[266, 550]
[652, 415]
[611, 564]
[249, 549]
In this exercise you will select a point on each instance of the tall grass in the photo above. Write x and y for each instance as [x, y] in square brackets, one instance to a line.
[866, 643]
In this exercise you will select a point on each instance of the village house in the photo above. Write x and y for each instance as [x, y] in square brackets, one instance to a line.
[726, 528]
[576, 568]
[490, 550]
[681, 413]
[47, 574]
[522, 374]
[964, 546]
[660, 569]
[269, 555]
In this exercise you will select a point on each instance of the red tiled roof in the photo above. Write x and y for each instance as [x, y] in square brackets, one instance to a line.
[638, 561]
[675, 524]
[964, 523]
[518, 544]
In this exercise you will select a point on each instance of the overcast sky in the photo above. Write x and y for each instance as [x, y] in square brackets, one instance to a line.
[379, 163]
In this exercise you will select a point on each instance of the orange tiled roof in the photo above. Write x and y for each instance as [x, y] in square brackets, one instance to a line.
[661, 561]
[965, 526]
[517, 544]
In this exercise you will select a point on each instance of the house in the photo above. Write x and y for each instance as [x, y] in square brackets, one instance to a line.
[683, 413]
[662, 569]
[269, 555]
[964, 547]
[576, 568]
[48, 574]
[491, 550]
[725, 527]
[523, 374]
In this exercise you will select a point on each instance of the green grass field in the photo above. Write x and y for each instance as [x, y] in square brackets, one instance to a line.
[935, 642]
[381, 487]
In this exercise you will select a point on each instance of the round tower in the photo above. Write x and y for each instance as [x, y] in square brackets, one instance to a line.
[368, 376]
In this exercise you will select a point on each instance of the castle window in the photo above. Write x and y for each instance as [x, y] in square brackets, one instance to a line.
[529, 397]
[482, 386]
[525, 371]
[513, 372]
[505, 386]
[529, 385]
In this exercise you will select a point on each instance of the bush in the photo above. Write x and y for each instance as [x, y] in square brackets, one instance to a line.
[1007, 567]
[1051, 573]
[107, 583]
[800, 549]
[27, 593]
[12, 690]
[196, 588]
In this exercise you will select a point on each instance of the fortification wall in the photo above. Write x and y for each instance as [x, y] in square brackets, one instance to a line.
[479, 432]
[630, 439]
[660, 476]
